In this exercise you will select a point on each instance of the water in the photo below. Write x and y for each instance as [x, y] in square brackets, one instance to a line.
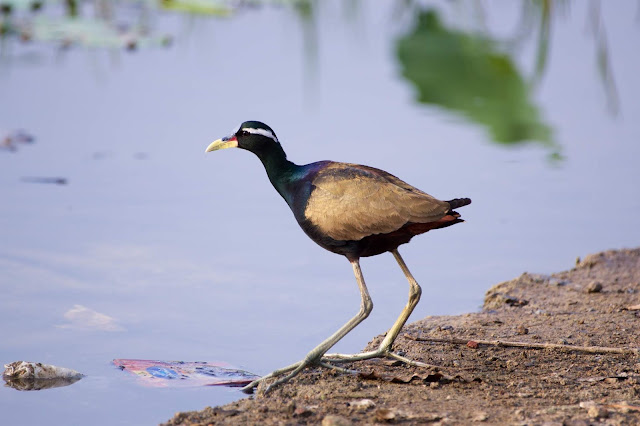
[195, 257]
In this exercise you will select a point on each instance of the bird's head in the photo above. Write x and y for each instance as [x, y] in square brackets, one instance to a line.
[253, 136]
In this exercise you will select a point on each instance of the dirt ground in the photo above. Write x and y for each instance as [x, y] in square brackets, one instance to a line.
[597, 303]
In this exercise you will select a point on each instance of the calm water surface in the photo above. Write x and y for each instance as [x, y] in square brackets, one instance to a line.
[155, 250]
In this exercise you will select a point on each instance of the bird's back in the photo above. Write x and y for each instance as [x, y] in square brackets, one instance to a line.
[349, 202]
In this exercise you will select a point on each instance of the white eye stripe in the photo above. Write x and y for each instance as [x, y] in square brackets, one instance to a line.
[263, 132]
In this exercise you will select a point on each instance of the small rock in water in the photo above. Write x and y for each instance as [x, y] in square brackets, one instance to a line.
[37, 370]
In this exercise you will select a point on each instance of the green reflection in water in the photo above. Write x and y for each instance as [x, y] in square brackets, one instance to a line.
[197, 7]
[115, 24]
[467, 73]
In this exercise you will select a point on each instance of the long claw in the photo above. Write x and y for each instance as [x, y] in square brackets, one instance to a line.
[286, 378]
[326, 363]
[410, 361]
[379, 353]
[251, 386]
[335, 367]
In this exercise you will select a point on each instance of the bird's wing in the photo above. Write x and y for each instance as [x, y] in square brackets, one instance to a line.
[350, 202]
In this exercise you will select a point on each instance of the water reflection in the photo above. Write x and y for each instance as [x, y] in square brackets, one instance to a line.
[66, 25]
[39, 384]
[473, 73]
[468, 74]
[537, 19]
[465, 71]
[113, 24]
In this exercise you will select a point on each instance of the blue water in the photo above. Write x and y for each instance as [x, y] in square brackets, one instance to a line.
[155, 250]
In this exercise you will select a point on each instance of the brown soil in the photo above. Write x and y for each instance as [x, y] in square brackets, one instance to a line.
[597, 303]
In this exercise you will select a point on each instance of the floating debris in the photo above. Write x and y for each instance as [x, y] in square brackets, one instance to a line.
[37, 370]
[80, 317]
[9, 141]
[182, 374]
[53, 180]
[26, 376]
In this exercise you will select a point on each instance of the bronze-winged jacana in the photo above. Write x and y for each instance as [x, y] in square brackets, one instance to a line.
[352, 210]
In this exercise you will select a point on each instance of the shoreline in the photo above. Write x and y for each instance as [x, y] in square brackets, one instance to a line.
[596, 304]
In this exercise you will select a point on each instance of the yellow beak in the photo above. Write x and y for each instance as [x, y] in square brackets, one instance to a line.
[224, 143]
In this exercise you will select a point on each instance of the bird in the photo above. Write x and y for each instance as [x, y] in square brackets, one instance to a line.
[352, 210]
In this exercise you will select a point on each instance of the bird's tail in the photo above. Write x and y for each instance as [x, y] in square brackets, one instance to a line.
[459, 202]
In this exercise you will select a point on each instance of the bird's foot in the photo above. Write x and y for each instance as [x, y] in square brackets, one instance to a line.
[409, 361]
[313, 358]
[378, 353]
[293, 371]
[335, 367]
[296, 368]
[328, 361]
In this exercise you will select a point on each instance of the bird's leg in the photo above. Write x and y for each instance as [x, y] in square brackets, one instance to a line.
[384, 350]
[315, 355]
[414, 297]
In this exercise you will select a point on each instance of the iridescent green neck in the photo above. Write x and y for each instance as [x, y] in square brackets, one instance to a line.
[281, 172]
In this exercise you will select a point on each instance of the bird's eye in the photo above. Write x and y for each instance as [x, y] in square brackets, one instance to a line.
[243, 133]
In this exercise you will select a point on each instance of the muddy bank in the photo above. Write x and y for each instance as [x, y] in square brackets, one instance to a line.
[595, 304]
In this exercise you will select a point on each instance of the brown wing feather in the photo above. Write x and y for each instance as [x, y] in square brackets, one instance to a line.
[350, 202]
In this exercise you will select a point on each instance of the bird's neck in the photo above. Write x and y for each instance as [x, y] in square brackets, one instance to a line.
[281, 171]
